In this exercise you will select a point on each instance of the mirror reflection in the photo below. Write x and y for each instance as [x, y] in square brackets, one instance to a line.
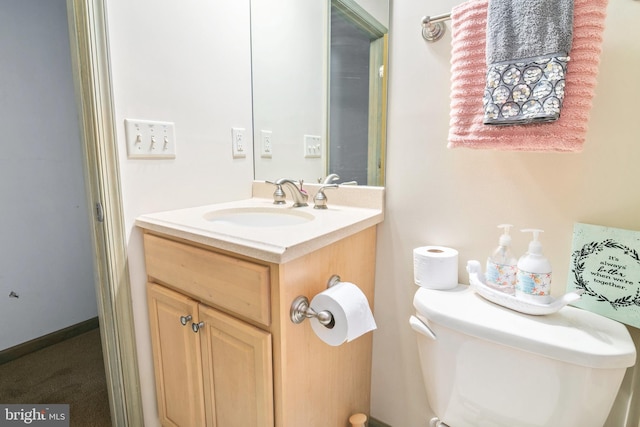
[319, 89]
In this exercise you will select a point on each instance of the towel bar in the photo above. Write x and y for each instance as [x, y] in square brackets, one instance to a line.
[433, 27]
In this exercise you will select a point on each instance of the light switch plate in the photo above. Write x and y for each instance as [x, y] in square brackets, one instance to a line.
[312, 146]
[148, 139]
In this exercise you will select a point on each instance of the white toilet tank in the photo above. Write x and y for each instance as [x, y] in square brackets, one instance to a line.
[488, 366]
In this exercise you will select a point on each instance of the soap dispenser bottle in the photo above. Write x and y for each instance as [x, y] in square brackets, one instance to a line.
[534, 273]
[501, 271]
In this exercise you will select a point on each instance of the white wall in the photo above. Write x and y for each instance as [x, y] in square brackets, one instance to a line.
[187, 62]
[45, 245]
[457, 197]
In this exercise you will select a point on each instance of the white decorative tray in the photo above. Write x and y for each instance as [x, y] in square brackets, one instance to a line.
[477, 282]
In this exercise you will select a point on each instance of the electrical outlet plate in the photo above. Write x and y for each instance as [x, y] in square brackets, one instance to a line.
[312, 146]
[266, 144]
[148, 139]
[238, 143]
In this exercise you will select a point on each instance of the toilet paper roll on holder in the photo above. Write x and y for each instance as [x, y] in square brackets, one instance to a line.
[301, 309]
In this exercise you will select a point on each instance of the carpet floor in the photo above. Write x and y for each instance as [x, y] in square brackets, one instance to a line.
[70, 372]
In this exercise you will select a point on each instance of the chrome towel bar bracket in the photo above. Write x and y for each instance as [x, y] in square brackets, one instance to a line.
[433, 28]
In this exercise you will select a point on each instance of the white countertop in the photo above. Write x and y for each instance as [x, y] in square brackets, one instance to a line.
[277, 244]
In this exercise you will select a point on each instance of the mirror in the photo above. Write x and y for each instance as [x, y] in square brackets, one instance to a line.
[319, 89]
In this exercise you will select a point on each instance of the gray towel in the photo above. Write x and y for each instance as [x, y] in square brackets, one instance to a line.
[528, 44]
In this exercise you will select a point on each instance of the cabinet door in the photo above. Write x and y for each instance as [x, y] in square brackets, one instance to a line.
[237, 369]
[176, 357]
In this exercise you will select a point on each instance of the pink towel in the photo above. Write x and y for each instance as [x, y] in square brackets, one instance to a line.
[468, 69]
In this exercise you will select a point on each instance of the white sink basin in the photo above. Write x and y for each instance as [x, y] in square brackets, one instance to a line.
[259, 217]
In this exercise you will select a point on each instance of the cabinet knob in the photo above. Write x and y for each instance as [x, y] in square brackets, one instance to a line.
[185, 319]
[196, 326]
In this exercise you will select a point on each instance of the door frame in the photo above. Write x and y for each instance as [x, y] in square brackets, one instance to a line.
[92, 79]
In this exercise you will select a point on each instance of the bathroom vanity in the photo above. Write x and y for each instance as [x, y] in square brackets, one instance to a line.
[225, 350]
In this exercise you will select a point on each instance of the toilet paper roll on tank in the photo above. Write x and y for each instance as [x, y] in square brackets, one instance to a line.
[435, 267]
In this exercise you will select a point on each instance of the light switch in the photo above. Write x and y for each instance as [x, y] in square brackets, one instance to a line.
[148, 139]
[312, 146]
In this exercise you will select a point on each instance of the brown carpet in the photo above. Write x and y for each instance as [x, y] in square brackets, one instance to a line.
[70, 372]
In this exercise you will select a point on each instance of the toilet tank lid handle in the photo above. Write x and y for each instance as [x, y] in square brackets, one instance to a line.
[420, 327]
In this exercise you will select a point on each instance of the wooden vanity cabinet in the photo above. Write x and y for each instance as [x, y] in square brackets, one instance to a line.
[248, 364]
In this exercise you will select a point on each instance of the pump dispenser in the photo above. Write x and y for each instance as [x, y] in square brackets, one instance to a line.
[502, 264]
[534, 273]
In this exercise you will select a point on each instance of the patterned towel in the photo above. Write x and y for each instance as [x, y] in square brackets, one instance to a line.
[528, 44]
[468, 70]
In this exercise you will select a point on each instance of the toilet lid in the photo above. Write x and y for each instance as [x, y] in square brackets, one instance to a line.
[571, 335]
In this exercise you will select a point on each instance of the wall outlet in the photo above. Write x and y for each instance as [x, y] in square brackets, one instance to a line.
[266, 144]
[312, 146]
[238, 143]
[148, 139]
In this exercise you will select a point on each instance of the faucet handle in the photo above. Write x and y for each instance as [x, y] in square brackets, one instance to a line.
[320, 199]
[279, 197]
[331, 179]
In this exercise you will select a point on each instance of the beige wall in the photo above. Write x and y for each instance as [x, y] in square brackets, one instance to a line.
[457, 197]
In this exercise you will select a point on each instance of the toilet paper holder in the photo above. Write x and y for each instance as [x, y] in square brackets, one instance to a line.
[300, 308]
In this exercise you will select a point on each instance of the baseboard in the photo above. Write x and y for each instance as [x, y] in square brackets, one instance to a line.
[35, 344]
[375, 423]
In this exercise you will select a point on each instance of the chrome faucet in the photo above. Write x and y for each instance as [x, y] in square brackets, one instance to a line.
[299, 195]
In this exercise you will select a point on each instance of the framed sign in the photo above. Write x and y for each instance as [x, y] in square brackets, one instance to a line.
[605, 264]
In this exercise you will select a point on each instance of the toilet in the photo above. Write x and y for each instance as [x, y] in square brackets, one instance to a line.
[485, 365]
